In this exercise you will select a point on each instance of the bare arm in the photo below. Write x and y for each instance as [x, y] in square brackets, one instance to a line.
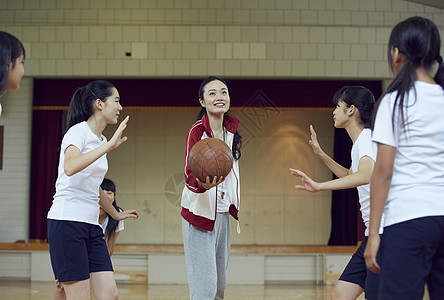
[76, 162]
[111, 210]
[361, 177]
[336, 168]
[381, 180]
[111, 243]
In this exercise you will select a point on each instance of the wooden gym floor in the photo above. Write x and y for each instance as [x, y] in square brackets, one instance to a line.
[20, 290]
[24, 290]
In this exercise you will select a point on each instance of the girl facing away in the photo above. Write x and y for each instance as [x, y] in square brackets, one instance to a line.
[12, 59]
[408, 180]
[207, 206]
[79, 255]
[353, 112]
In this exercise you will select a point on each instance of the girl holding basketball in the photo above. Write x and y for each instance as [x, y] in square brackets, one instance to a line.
[354, 108]
[79, 255]
[206, 206]
[12, 58]
[110, 227]
[408, 180]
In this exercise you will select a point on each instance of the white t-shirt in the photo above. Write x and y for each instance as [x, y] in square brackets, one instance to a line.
[120, 225]
[223, 198]
[77, 196]
[417, 185]
[364, 146]
[223, 202]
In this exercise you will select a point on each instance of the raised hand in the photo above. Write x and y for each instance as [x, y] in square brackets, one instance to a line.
[314, 142]
[117, 138]
[309, 184]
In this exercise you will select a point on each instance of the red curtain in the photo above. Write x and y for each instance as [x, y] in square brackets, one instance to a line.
[46, 140]
[344, 203]
[164, 92]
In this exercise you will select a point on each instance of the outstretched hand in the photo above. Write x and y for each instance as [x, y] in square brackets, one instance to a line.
[309, 184]
[314, 141]
[117, 138]
[128, 214]
[209, 184]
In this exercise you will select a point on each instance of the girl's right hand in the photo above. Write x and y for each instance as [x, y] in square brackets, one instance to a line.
[314, 142]
[117, 138]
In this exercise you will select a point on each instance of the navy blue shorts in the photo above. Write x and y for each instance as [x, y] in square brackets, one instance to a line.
[356, 272]
[412, 254]
[76, 249]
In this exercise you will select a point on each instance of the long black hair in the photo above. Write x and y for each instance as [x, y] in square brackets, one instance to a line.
[110, 230]
[361, 98]
[11, 48]
[419, 40]
[237, 141]
[81, 106]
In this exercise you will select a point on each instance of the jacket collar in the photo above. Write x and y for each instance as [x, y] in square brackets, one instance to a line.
[230, 123]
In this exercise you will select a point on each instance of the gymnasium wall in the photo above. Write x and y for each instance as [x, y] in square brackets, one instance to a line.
[256, 39]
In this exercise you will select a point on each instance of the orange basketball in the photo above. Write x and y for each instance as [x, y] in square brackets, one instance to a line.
[210, 157]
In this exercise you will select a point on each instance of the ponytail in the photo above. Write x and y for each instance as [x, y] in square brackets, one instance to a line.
[439, 76]
[81, 106]
[401, 84]
[418, 39]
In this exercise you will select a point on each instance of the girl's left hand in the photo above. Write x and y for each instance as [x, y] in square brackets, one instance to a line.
[371, 250]
[128, 214]
[59, 287]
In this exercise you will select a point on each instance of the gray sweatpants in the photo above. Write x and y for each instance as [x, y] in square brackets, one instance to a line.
[206, 258]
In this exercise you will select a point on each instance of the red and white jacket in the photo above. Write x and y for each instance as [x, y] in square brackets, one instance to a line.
[199, 206]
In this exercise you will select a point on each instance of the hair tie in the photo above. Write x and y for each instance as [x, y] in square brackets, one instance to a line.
[439, 59]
